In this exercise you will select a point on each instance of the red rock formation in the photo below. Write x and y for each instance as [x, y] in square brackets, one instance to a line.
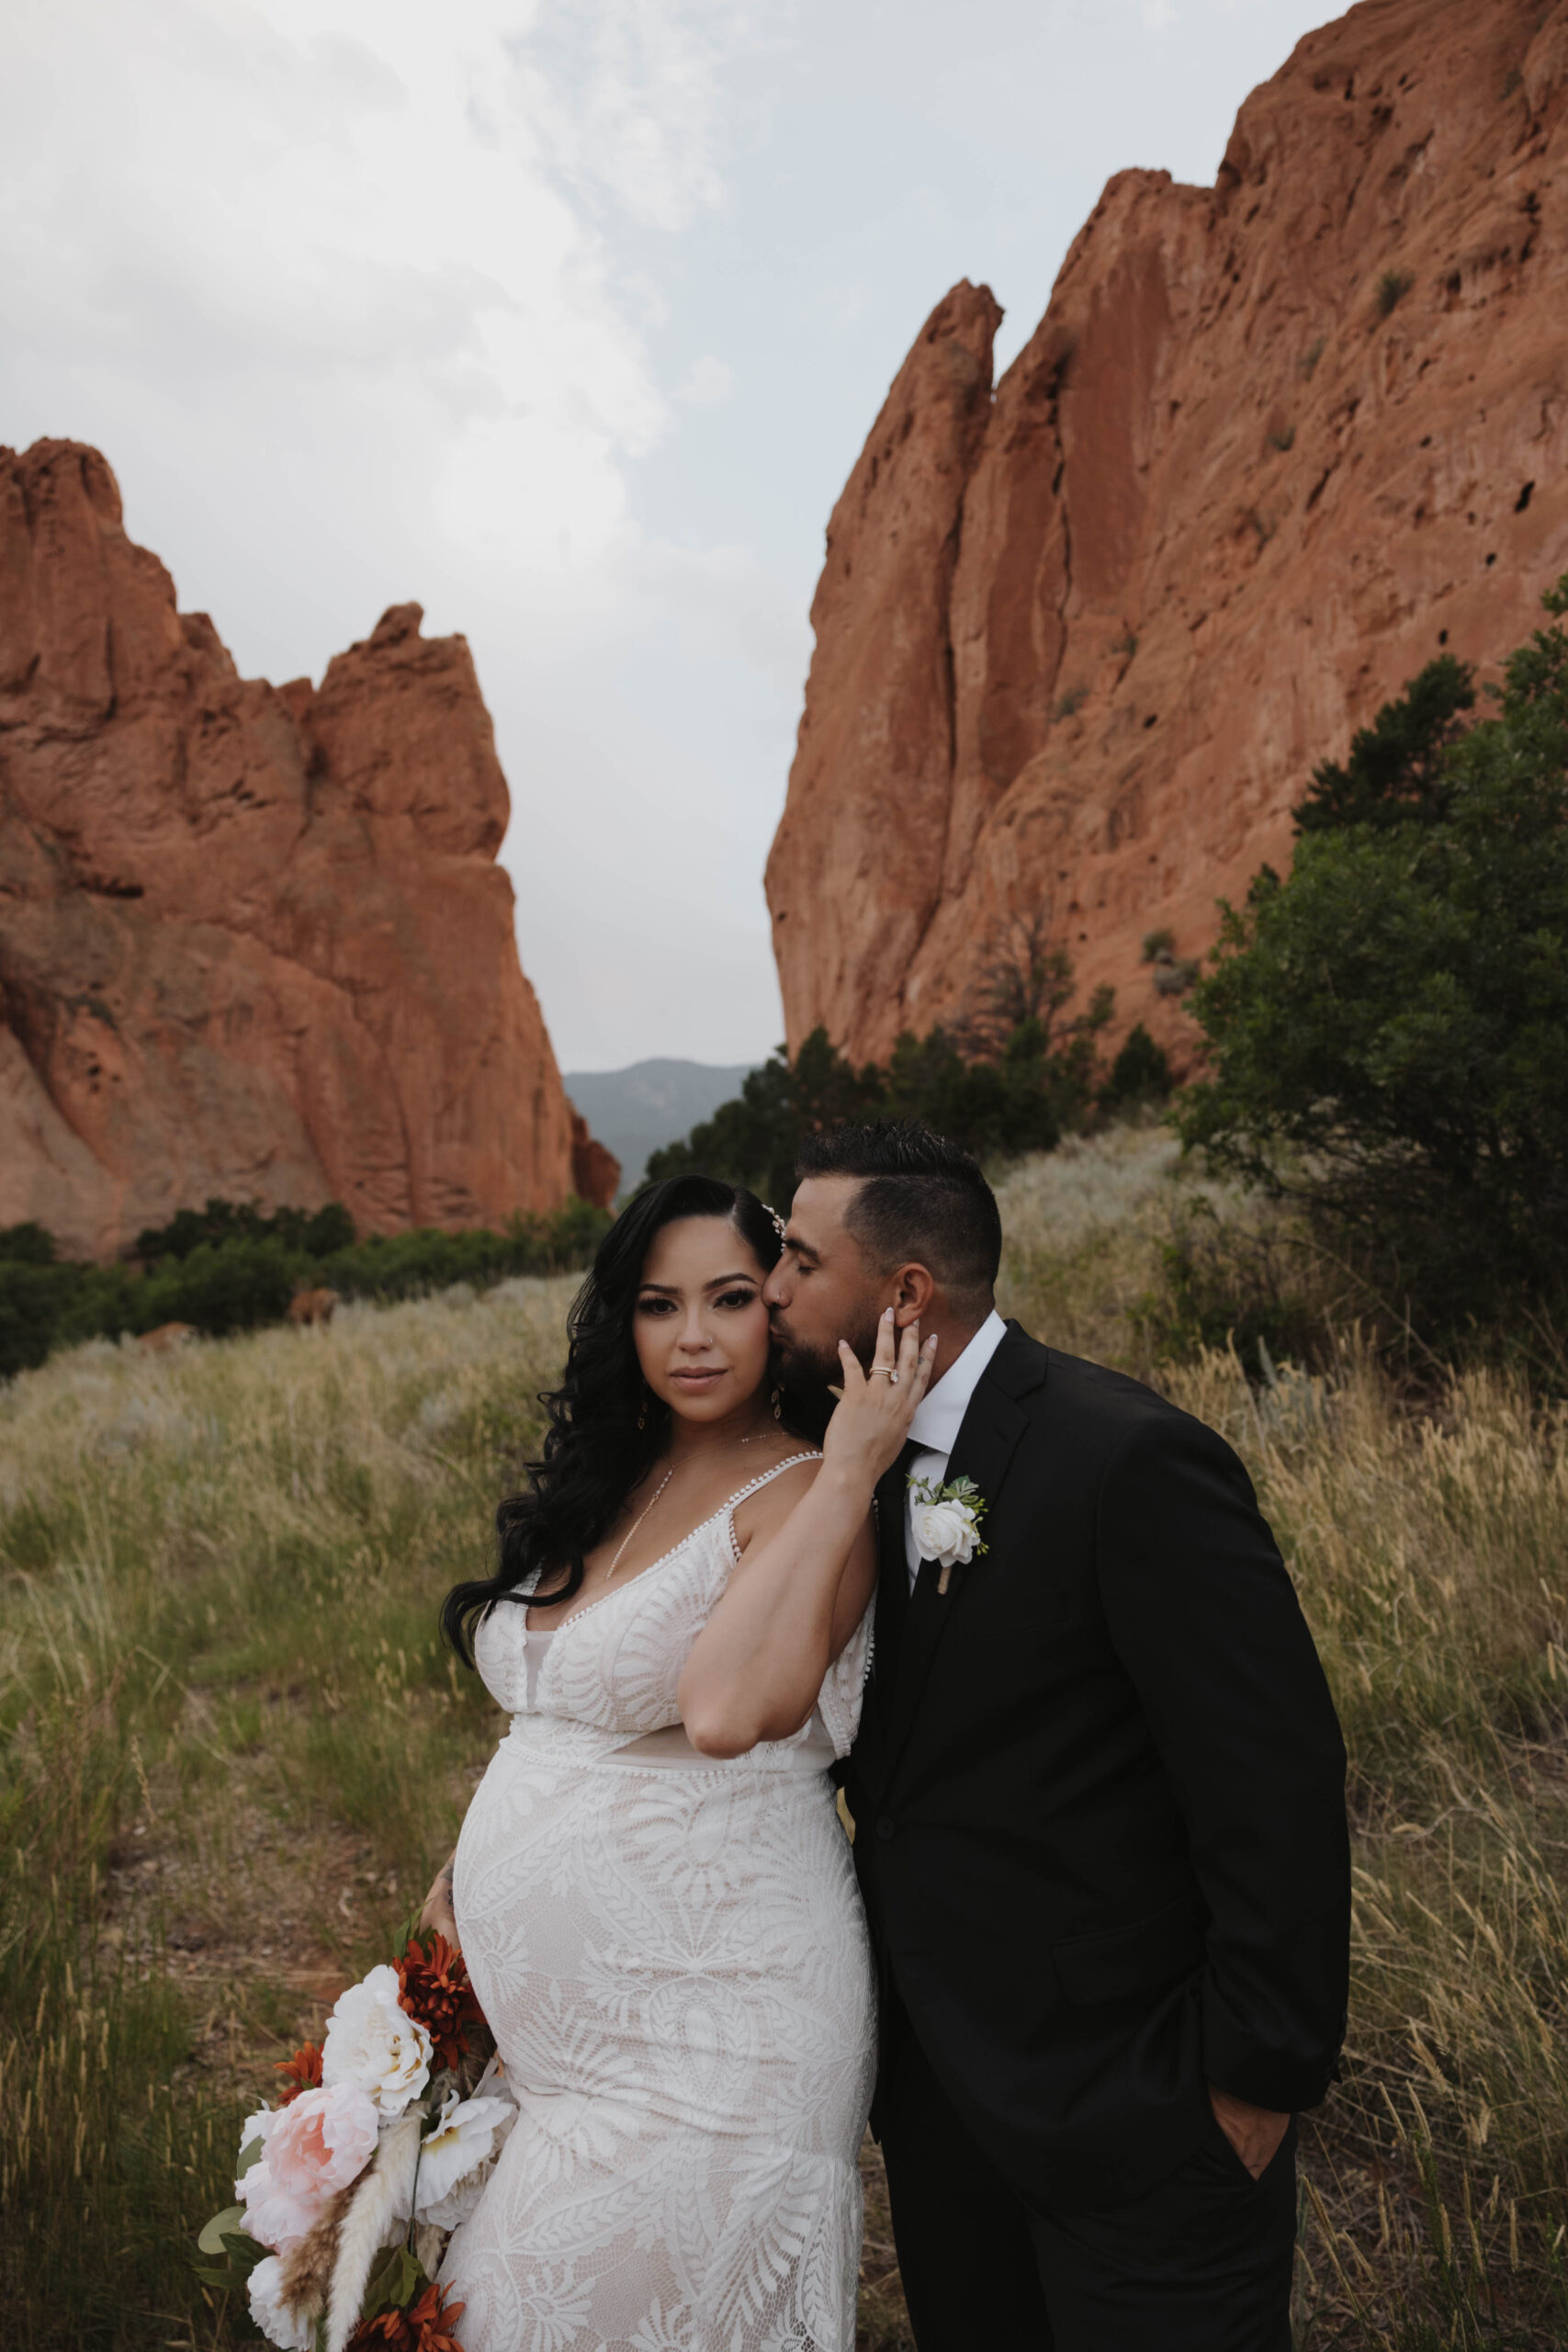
[1273, 447]
[254, 942]
[595, 1170]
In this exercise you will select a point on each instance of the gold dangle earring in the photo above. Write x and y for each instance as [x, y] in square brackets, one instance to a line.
[642, 1411]
[778, 1406]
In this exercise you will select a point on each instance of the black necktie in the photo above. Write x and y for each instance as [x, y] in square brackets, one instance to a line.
[892, 1510]
[913, 1449]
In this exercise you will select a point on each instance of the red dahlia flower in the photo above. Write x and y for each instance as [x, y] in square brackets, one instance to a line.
[428, 2326]
[303, 2071]
[432, 1986]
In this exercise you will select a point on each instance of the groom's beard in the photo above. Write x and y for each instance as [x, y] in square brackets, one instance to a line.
[812, 1371]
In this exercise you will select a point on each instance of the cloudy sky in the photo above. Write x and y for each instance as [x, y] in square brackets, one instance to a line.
[566, 318]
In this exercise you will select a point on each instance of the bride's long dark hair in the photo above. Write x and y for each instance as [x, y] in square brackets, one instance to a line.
[595, 1453]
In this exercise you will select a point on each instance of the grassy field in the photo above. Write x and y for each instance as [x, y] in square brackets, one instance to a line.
[234, 1753]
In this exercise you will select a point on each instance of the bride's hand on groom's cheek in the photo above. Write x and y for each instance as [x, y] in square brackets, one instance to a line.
[872, 1417]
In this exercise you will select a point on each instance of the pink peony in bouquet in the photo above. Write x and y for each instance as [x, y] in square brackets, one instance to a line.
[379, 2145]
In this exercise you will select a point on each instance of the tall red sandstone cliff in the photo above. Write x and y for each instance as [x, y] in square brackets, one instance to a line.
[1273, 447]
[254, 942]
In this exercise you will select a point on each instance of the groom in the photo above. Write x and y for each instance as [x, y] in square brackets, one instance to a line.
[1099, 1814]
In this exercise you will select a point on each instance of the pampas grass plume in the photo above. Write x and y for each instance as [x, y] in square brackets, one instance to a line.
[307, 2266]
[382, 2201]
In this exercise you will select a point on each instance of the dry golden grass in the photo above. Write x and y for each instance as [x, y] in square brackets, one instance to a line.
[233, 1754]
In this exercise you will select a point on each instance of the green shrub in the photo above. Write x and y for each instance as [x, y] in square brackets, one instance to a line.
[752, 1140]
[229, 1268]
[1398, 768]
[1140, 1075]
[1012, 1077]
[314, 1233]
[1227, 1284]
[32, 1297]
[1388, 1029]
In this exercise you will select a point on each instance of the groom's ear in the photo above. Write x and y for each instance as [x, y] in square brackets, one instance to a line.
[914, 1288]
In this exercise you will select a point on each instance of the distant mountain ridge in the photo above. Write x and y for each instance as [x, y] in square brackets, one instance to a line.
[638, 1110]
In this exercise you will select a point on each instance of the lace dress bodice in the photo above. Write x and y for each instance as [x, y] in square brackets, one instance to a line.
[611, 1669]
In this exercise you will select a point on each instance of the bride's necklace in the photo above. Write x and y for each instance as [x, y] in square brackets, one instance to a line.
[639, 1520]
[621, 1548]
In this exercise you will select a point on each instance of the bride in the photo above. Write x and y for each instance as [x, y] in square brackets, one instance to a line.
[652, 1889]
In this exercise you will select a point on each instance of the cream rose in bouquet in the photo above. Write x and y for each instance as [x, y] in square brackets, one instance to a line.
[378, 2147]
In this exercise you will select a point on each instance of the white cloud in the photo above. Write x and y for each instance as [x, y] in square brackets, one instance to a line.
[708, 380]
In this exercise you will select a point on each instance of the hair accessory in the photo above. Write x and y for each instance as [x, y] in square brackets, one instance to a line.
[778, 1221]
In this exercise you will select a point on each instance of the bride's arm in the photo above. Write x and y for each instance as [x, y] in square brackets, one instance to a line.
[801, 1588]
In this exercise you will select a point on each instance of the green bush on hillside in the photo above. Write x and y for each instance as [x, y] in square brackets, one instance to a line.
[1013, 1076]
[1388, 1029]
[1140, 1076]
[229, 1268]
[315, 1233]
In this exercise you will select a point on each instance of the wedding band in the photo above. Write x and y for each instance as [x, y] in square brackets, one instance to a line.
[884, 1370]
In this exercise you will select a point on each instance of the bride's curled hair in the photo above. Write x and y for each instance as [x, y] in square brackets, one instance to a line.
[595, 1453]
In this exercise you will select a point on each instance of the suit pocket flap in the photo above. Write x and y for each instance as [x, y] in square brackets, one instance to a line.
[1141, 1953]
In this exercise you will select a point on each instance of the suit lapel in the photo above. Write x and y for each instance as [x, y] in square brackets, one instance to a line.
[986, 1441]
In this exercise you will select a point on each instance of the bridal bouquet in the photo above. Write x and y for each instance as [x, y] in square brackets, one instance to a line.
[379, 2145]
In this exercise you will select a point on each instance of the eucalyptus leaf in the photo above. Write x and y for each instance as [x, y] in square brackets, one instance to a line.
[211, 2239]
[250, 2153]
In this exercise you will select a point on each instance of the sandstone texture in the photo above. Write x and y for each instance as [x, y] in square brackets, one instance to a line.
[253, 942]
[1273, 447]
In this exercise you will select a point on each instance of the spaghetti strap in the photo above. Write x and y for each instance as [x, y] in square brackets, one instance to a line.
[725, 1513]
[768, 1477]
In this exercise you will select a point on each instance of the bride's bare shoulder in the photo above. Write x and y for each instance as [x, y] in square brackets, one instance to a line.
[770, 1506]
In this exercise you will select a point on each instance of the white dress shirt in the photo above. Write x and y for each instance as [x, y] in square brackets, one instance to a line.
[937, 1420]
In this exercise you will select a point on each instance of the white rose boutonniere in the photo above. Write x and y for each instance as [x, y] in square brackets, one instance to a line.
[947, 1523]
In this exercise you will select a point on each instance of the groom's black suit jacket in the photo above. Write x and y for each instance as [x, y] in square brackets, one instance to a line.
[1099, 1790]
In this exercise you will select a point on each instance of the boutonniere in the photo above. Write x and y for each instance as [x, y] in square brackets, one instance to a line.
[947, 1522]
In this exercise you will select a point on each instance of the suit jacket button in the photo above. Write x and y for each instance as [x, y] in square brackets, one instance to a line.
[885, 1825]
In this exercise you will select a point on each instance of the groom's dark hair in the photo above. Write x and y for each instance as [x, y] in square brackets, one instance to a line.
[921, 1197]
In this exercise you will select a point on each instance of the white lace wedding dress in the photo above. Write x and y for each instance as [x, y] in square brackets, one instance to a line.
[671, 1952]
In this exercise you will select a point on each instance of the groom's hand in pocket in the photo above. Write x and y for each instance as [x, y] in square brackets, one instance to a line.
[1255, 2132]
